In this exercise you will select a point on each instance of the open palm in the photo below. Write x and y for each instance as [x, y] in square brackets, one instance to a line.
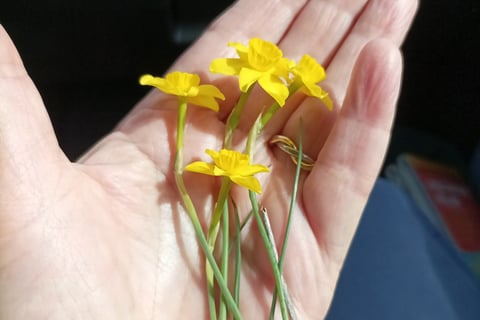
[107, 238]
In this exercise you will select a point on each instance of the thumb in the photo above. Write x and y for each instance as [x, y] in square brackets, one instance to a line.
[29, 152]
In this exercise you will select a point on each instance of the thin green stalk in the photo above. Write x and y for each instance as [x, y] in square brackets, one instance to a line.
[267, 115]
[290, 214]
[234, 118]
[182, 115]
[293, 199]
[238, 251]
[181, 118]
[213, 233]
[288, 301]
[231, 125]
[238, 257]
[270, 253]
[239, 225]
[204, 245]
[245, 221]
[252, 137]
[209, 274]
[192, 213]
[189, 207]
[219, 209]
[225, 252]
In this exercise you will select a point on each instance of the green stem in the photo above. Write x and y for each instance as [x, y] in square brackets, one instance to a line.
[204, 245]
[245, 221]
[234, 118]
[219, 208]
[225, 251]
[238, 257]
[210, 270]
[292, 200]
[181, 118]
[209, 274]
[214, 229]
[252, 138]
[192, 213]
[270, 253]
[290, 214]
[267, 115]
[288, 302]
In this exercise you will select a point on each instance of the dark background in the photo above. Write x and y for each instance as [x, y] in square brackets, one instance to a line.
[86, 57]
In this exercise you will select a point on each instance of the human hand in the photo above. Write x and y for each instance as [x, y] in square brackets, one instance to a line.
[107, 238]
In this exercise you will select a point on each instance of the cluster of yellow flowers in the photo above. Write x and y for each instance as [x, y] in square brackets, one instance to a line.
[260, 62]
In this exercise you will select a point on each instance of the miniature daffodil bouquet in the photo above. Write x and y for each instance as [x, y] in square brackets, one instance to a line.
[259, 63]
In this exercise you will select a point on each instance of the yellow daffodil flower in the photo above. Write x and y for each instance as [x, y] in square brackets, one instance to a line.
[308, 72]
[231, 164]
[261, 62]
[186, 86]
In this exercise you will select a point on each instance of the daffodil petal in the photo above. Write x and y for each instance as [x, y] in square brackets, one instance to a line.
[242, 50]
[183, 80]
[313, 90]
[239, 47]
[275, 88]
[226, 66]
[204, 101]
[232, 164]
[157, 82]
[201, 167]
[252, 169]
[213, 154]
[327, 101]
[210, 90]
[147, 80]
[219, 172]
[316, 91]
[175, 83]
[247, 77]
[283, 68]
[248, 182]
[309, 70]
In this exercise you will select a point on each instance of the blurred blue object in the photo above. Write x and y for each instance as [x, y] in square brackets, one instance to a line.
[399, 267]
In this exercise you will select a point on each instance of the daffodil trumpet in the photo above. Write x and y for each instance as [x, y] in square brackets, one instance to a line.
[260, 62]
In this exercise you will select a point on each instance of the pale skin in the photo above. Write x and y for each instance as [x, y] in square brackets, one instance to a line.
[106, 237]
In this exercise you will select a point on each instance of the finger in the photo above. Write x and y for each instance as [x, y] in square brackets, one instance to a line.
[337, 189]
[28, 147]
[322, 26]
[388, 19]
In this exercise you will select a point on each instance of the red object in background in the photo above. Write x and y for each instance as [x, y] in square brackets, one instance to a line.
[453, 200]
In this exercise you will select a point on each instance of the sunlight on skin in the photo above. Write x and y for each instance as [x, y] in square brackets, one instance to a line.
[106, 238]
